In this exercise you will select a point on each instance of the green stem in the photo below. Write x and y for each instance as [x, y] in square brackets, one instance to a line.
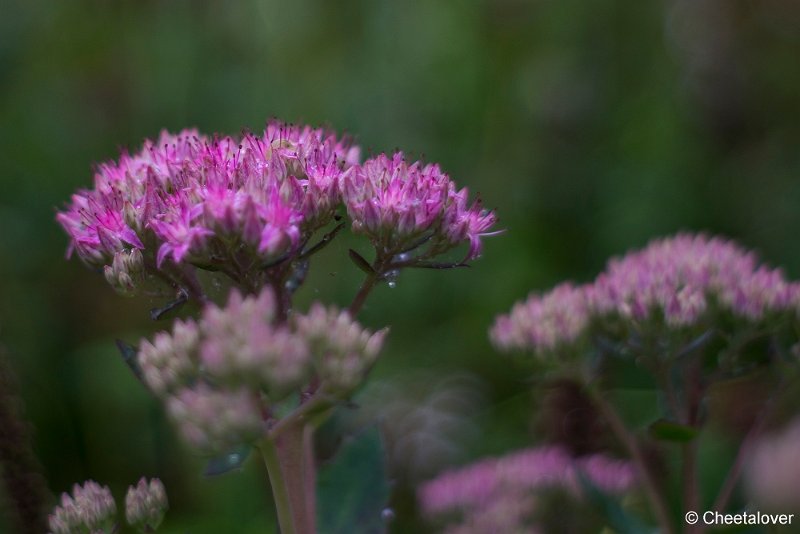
[746, 447]
[292, 458]
[280, 493]
[310, 476]
[628, 441]
[691, 483]
[363, 292]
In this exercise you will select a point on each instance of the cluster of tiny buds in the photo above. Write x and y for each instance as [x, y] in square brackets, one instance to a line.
[221, 377]
[344, 351]
[145, 505]
[89, 509]
[126, 272]
[677, 282]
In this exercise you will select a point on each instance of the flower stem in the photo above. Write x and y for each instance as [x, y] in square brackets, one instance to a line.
[280, 493]
[753, 435]
[651, 489]
[363, 292]
[310, 476]
[691, 483]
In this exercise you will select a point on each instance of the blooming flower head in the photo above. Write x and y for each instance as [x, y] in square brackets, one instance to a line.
[401, 206]
[544, 321]
[679, 277]
[674, 283]
[223, 203]
[90, 508]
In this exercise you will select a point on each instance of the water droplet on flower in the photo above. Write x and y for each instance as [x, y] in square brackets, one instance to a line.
[391, 278]
[387, 514]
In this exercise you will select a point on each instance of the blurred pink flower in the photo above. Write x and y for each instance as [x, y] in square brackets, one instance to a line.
[680, 280]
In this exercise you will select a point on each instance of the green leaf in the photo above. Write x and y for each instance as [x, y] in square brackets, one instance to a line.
[353, 490]
[129, 353]
[360, 262]
[671, 431]
[230, 461]
[618, 518]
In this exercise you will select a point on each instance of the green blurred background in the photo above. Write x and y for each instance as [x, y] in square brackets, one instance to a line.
[591, 126]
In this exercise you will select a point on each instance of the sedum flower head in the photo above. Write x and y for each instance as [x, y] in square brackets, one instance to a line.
[674, 283]
[220, 203]
[679, 277]
[90, 509]
[214, 420]
[344, 351]
[400, 206]
[544, 322]
[145, 505]
[223, 376]
[170, 360]
[242, 345]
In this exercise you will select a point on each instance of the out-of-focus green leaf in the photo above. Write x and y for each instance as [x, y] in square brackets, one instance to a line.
[129, 355]
[671, 431]
[618, 518]
[353, 490]
[360, 262]
[230, 461]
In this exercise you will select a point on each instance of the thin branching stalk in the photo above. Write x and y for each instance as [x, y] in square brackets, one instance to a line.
[649, 484]
[691, 482]
[746, 447]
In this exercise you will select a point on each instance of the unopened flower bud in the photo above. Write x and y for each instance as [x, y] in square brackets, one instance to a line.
[343, 350]
[242, 346]
[170, 361]
[145, 505]
[126, 272]
[90, 508]
[213, 421]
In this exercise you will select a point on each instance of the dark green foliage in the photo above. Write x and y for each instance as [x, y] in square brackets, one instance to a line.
[353, 489]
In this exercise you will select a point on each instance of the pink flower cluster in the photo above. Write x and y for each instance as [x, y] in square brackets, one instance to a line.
[207, 201]
[145, 504]
[90, 508]
[222, 376]
[240, 205]
[527, 470]
[680, 279]
[544, 321]
[400, 206]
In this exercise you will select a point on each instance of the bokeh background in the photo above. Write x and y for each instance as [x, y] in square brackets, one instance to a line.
[591, 127]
